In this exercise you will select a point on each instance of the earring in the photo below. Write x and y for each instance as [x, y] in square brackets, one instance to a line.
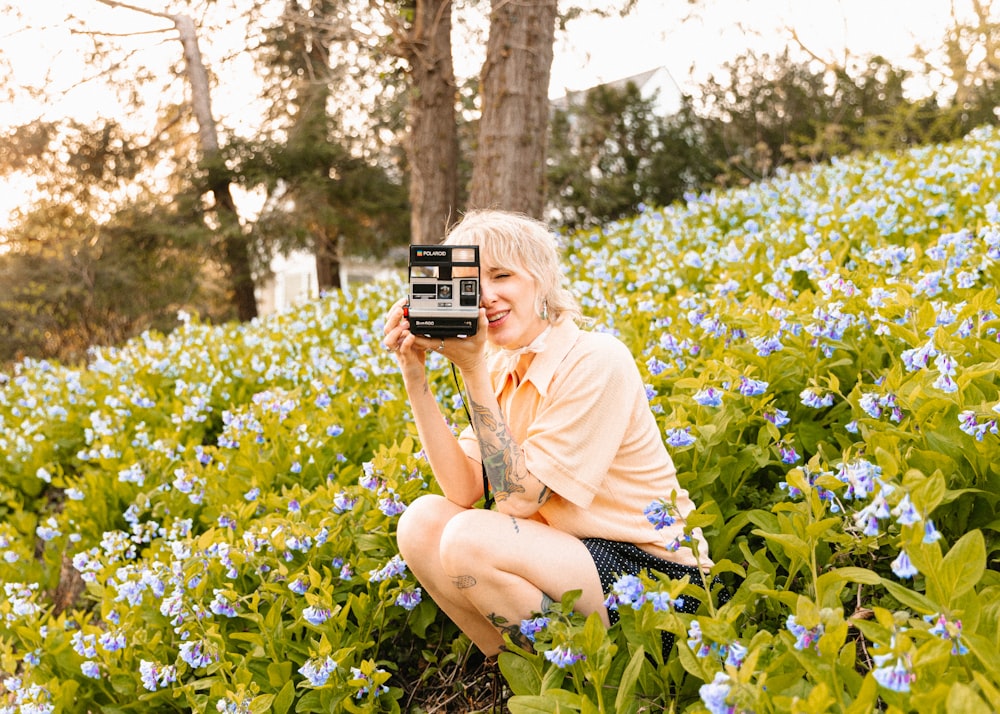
[545, 309]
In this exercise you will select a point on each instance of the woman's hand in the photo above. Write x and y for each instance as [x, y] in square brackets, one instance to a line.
[411, 350]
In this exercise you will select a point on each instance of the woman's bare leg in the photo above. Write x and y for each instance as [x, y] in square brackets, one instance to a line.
[489, 571]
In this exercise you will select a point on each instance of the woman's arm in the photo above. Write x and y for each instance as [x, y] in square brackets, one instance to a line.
[457, 474]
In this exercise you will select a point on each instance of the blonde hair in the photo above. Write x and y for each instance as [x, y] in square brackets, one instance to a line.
[515, 240]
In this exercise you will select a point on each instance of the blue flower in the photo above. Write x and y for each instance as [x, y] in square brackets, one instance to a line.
[778, 417]
[714, 694]
[896, 677]
[564, 656]
[709, 397]
[905, 512]
[299, 586]
[805, 637]
[951, 631]
[627, 590]
[752, 387]
[662, 602]
[679, 438]
[736, 654]
[154, 675]
[195, 654]
[812, 398]
[903, 567]
[531, 628]
[931, 534]
[91, 669]
[394, 568]
[318, 671]
[409, 599]
[316, 615]
[660, 514]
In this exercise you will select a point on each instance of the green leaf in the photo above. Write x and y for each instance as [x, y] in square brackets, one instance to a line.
[910, 598]
[835, 580]
[964, 565]
[630, 676]
[523, 676]
[285, 698]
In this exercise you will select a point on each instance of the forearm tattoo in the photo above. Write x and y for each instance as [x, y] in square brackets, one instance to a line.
[502, 456]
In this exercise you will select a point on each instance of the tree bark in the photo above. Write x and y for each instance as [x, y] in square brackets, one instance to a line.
[432, 139]
[509, 170]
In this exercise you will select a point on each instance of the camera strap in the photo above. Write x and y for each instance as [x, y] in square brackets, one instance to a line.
[487, 495]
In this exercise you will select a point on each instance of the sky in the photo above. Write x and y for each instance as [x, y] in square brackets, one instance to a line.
[591, 52]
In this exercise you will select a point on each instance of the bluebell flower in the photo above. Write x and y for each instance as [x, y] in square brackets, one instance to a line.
[252, 495]
[715, 693]
[660, 514]
[696, 641]
[564, 656]
[409, 599]
[335, 430]
[814, 399]
[299, 586]
[752, 387]
[156, 676]
[905, 512]
[627, 590]
[736, 654]
[391, 506]
[196, 654]
[394, 568]
[950, 631]
[662, 602]
[369, 685]
[318, 671]
[946, 384]
[679, 438]
[343, 502]
[778, 417]
[316, 615]
[805, 637]
[896, 677]
[91, 669]
[709, 397]
[531, 627]
[903, 567]
[221, 605]
[931, 534]
[656, 366]
[788, 454]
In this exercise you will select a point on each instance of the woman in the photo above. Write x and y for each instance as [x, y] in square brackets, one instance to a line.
[561, 428]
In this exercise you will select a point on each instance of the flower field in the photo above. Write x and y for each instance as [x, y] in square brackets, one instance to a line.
[204, 521]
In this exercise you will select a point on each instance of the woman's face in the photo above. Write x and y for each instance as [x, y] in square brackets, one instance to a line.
[508, 294]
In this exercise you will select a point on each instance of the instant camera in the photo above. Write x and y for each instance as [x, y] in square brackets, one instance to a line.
[444, 290]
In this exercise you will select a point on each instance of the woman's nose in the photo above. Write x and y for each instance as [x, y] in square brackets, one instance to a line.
[486, 295]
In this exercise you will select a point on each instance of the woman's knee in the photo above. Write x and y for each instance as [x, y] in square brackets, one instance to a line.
[422, 521]
[464, 540]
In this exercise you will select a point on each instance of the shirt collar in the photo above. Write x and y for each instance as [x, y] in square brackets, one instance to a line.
[557, 345]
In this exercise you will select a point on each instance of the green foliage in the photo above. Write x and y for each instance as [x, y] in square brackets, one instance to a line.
[204, 520]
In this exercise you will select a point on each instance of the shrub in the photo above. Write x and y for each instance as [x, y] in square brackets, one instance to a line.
[205, 520]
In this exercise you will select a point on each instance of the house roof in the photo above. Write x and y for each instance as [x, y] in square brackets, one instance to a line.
[640, 80]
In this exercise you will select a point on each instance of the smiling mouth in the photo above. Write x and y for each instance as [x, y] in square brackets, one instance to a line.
[499, 316]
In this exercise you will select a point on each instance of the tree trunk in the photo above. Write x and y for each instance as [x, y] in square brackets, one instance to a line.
[432, 142]
[235, 247]
[509, 170]
[235, 250]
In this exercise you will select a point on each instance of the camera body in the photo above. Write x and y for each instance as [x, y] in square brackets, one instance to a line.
[443, 298]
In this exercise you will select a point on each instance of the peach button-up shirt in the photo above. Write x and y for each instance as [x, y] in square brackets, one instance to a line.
[581, 415]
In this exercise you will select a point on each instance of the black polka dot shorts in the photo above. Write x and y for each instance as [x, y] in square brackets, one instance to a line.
[614, 559]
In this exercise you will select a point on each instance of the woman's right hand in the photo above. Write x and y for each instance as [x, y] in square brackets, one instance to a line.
[400, 341]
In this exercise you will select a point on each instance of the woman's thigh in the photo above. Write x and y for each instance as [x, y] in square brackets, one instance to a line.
[474, 541]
